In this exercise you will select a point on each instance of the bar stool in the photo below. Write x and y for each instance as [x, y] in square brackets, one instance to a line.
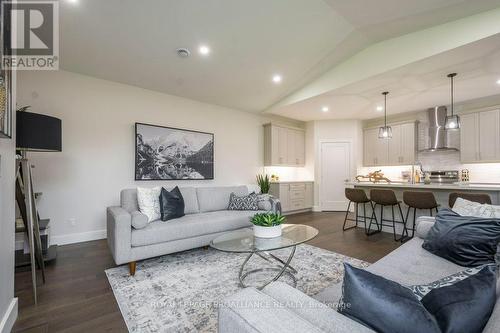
[385, 198]
[482, 198]
[417, 200]
[357, 196]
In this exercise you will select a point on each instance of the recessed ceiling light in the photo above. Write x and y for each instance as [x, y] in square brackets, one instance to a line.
[498, 81]
[204, 50]
[380, 108]
[277, 78]
[325, 109]
[72, 1]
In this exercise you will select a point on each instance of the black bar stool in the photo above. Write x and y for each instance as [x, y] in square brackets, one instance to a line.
[417, 200]
[357, 196]
[385, 198]
[482, 198]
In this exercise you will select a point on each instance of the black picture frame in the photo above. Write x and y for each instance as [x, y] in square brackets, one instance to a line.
[6, 103]
[170, 153]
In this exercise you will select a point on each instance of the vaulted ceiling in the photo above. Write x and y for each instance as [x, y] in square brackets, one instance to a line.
[134, 42]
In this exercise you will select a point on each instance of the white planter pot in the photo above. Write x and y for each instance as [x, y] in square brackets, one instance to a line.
[267, 232]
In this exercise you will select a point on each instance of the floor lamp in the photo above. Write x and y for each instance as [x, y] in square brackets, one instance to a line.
[34, 133]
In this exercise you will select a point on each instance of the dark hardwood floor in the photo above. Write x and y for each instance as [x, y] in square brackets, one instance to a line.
[78, 298]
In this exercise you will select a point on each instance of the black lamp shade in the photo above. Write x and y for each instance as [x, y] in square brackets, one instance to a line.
[38, 132]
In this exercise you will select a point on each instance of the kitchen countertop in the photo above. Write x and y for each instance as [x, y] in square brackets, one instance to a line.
[434, 186]
[292, 181]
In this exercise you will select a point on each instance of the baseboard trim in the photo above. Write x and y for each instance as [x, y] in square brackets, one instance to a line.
[316, 209]
[78, 237]
[9, 317]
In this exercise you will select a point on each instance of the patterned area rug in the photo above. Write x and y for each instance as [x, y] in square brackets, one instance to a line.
[181, 292]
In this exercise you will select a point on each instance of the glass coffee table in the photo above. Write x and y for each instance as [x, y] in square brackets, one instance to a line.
[243, 241]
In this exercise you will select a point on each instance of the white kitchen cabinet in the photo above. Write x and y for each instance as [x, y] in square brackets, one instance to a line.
[489, 135]
[283, 146]
[480, 137]
[300, 148]
[370, 141]
[294, 196]
[407, 144]
[398, 150]
[469, 141]
[394, 146]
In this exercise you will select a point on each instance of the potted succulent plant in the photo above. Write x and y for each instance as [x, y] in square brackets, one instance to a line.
[264, 183]
[267, 225]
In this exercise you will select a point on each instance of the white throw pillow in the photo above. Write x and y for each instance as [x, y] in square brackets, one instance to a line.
[149, 202]
[469, 208]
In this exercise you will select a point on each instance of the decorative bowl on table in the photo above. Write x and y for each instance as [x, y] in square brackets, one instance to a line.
[267, 225]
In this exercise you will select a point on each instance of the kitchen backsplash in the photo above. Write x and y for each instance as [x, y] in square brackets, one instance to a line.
[289, 173]
[479, 172]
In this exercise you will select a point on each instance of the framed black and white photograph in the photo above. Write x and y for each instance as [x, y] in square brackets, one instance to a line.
[165, 153]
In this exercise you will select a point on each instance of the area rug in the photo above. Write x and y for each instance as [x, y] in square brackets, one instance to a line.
[181, 292]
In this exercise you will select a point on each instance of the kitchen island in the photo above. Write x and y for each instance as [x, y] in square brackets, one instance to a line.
[441, 193]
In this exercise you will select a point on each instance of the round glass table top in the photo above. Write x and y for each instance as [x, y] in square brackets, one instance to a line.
[244, 240]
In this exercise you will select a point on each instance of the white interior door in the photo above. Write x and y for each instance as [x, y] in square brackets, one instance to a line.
[335, 169]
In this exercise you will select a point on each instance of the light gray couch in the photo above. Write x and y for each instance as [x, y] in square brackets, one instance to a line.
[281, 308]
[206, 218]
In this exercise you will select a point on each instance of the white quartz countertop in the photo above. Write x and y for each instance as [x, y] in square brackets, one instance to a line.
[455, 186]
[292, 181]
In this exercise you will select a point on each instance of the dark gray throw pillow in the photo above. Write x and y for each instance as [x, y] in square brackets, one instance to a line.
[464, 240]
[383, 305]
[245, 202]
[171, 204]
[460, 303]
[466, 305]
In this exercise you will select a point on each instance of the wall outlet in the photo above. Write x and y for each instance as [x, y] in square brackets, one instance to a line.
[72, 221]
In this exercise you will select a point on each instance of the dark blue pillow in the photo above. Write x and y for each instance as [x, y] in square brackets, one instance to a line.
[383, 305]
[386, 306]
[464, 240]
[464, 306]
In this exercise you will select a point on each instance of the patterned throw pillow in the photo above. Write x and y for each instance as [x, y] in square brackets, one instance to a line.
[421, 290]
[469, 208]
[246, 202]
[148, 200]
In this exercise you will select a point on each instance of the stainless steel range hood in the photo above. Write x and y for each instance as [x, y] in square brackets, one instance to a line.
[438, 137]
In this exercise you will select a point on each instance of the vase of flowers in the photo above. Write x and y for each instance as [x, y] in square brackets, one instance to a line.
[267, 225]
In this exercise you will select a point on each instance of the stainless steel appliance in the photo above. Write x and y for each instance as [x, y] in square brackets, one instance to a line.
[439, 139]
[446, 177]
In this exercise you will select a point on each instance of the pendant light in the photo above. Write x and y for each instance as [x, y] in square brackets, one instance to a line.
[385, 132]
[453, 121]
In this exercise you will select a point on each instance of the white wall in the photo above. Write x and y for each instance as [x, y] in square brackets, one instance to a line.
[334, 130]
[98, 145]
[8, 305]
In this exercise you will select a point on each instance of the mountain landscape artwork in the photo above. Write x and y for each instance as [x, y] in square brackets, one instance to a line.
[164, 153]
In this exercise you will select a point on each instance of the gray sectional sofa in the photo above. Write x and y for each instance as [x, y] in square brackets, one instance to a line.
[281, 308]
[206, 218]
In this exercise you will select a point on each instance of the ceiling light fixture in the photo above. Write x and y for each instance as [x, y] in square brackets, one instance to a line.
[325, 109]
[498, 81]
[204, 50]
[183, 52]
[277, 78]
[385, 132]
[452, 121]
[72, 1]
[380, 108]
